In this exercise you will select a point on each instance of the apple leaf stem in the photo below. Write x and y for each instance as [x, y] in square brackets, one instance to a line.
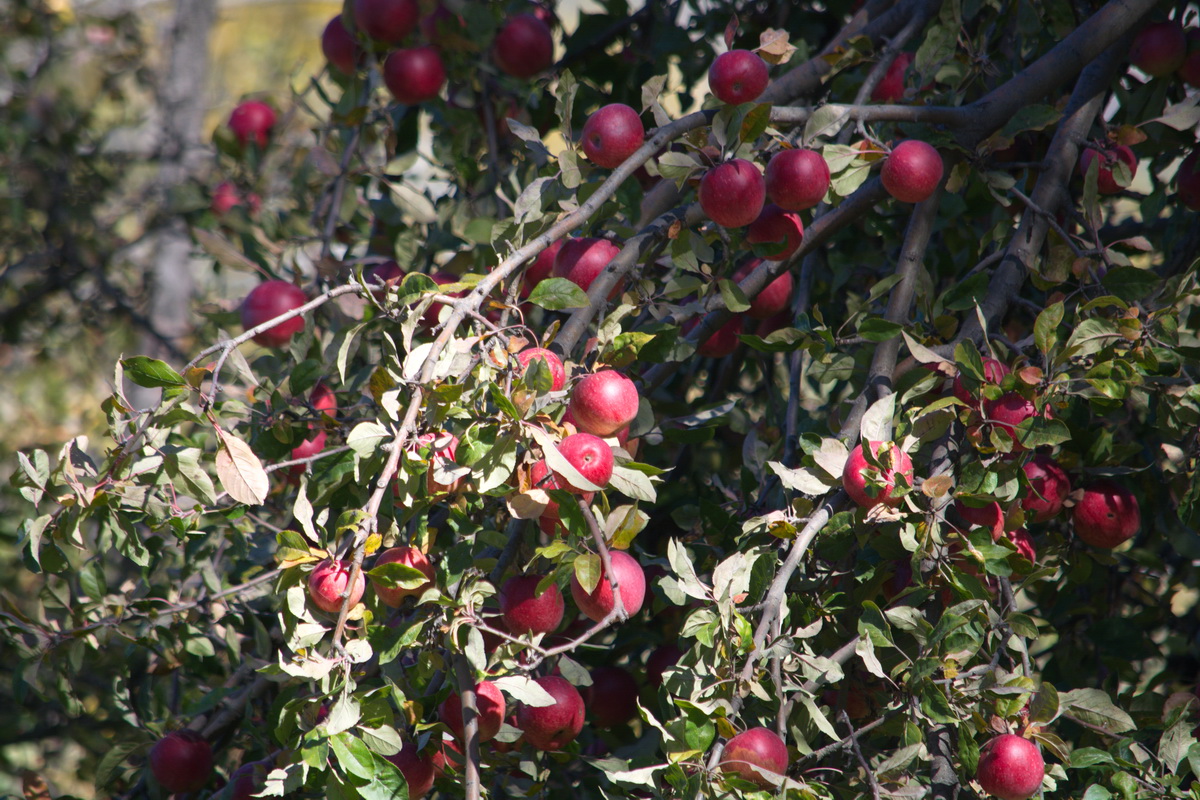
[872, 781]
[465, 678]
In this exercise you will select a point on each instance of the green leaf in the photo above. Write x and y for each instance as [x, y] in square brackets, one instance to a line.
[353, 756]
[1031, 118]
[394, 575]
[1130, 283]
[1045, 329]
[1084, 757]
[555, 294]
[151, 373]
[587, 571]
[1096, 707]
[733, 296]
[878, 329]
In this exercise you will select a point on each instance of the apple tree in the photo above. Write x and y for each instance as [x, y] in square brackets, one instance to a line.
[749, 399]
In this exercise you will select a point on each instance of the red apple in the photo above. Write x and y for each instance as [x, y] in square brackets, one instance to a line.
[245, 783]
[589, 454]
[990, 516]
[912, 171]
[386, 20]
[611, 700]
[1159, 48]
[738, 76]
[732, 194]
[1010, 767]
[775, 224]
[323, 400]
[540, 268]
[524, 611]
[1187, 181]
[604, 402]
[417, 770]
[252, 121]
[1024, 542]
[449, 755]
[773, 299]
[631, 581]
[441, 456]
[1107, 514]
[523, 47]
[329, 580]
[662, 659]
[1048, 488]
[993, 372]
[414, 75]
[385, 272]
[410, 557]
[797, 179]
[442, 26]
[540, 477]
[1189, 70]
[558, 375]
[854, 476]
[339, 47]
[756, 747]
[489, 702]
[267, 301]
[1009, 411]
[612, 134]
[224, 198]
[181, 761]
[891, 88]
[556, 726]
[582, 260]
[433, 314]
[1106, 183]
[721, 342]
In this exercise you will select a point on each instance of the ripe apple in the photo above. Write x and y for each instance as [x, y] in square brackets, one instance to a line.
[1159, 48]
[1187, 181]
[449, 755]
[891, 88]
[245, 783]
[589, 454]
[604, 402]
[386, 20]
[556, 726]
[721, 342]
[540, 477]
[441, 26]
[558, 375]
[854, 477]
[323, 400]
[1009, 411]
[1107, 514]
[414, 74]
[1010, 767]
[773, 299]
[540, 268]
[776, 224]
[181, 761]
[267, 301]
[581, 260]
[416, 768]
[662, 659]
[611, 700]
[410, 557]
[732, 193]
[912, 171]
[523, 47]
[339, 47]
[738, 76]
[993, 372]
[489, 702]
[1048, 488]
[797, 179]
[612, 134]
[385, 272]
[252, 121]
[631, 581]
[524, 611]
[1024, 542]
[442, 456]
[990, 516]
[433, 314]
[1106, 183]
[224, 197]
[328, 580]
[1189, 70]
[756, 747]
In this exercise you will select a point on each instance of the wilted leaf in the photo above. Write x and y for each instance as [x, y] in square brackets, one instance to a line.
[239, 470]
[774, 46]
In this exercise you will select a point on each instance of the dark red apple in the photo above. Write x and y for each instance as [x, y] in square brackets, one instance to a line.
[416, 768]
[611, 700]
[224, 198]
[410, 557]
[662, 659]
[773, 299]
[1189, 70]
[523, 47]
[1024, 542]
[386, 21]
[540, 268]
[854, 475]
[267, 301]
[612, 134]
[252, 121]
[433, 314]
[558, 375]
[582, 260]
[524, 611]
[604, 402]
[631, 582]
[776, 224]
[1107, 514]
[891, 88]
[589, 454]
[1010, 767]
[1106, 182]
[1187, 181]
[993, 372]
[489, 702]
[447, 757]
[1048, 488]
[756, 747]
[245, 783]
[990, 516]
[738, 76]
[1159, 48]
[556, 726]
[912, 171]
[1010, 410]
[181, 761]
[721, 342]
[339, 47]
[414, 74]
[442, 26]
[385, 272]
[797, 179]
[329, 580]
[732, 193]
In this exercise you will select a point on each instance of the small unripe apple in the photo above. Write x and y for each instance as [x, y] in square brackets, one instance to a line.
[732, 193]
[721, 342]
[329, 580]
[738, 76]
[555, 726]
[489, 703]
[589, 454]
[1048, 488]
[993, 372]
[558, 375]
[582, 260]
[267, 301]
[416, 768]
[1010, 767]
[1106, 182]
[1159, 48]
[604, 402]
[631, 582]
[252, 121]
[410, 557]
[1009, 411]
[891, 88]
[756, 747]
[776, 224]
[523, 47]
[912, 171]
[611, 700]
[526, 612]
[386, 20]
[773, 299]
[414, 74]
[540, 268]
[1187, 181]
[181, 761]
[854, 475]
[797, 179]
[339, 47]
[612, 134]
[1107, 514]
